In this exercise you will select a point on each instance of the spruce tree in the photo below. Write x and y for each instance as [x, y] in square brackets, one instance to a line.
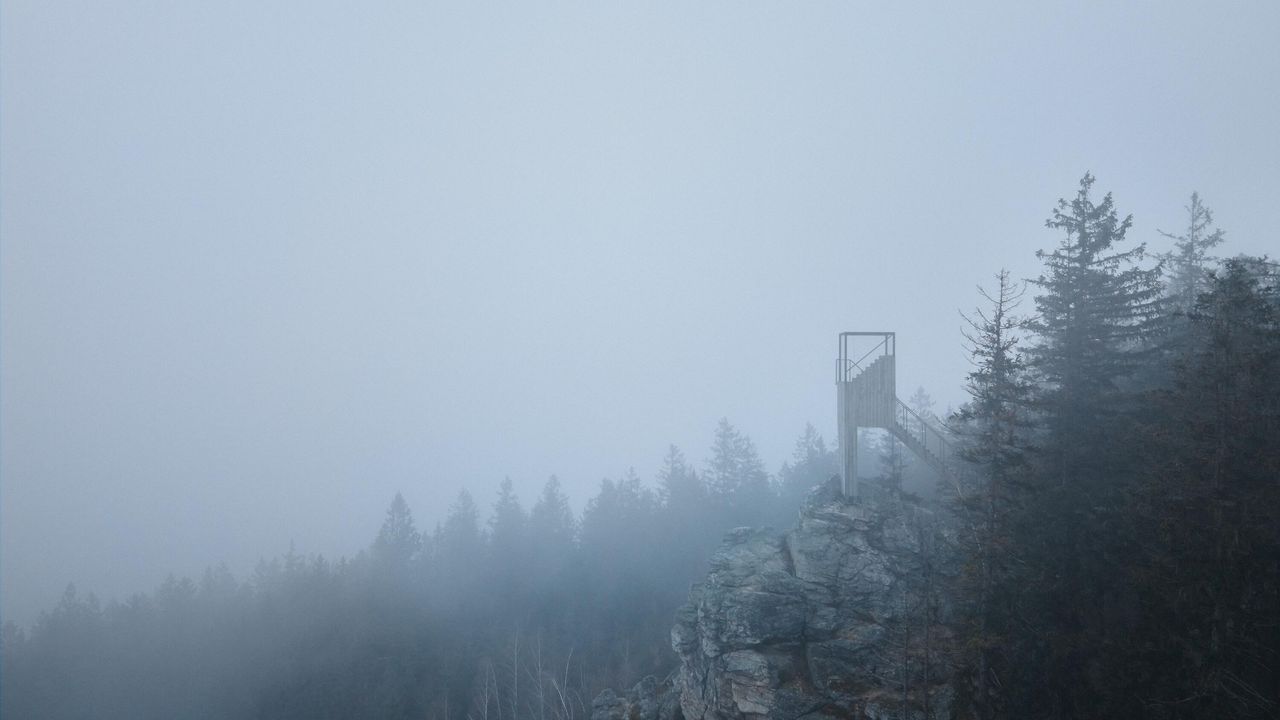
[508, 552]
[1096, 313]
[551, 521]
[1210, 562]
[687, 533]
[812, 464]
[923, 403]
[459, 546]
[895, 460]
[398, 540]
[679, 486]
[1189, 261]
[993, 427]
[507, 526]
[736, 478]
[551, 543]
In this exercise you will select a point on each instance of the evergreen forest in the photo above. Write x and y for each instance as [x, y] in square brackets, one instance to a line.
[1112, 551]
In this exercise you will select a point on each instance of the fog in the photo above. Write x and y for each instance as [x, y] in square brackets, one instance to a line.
[265, 264]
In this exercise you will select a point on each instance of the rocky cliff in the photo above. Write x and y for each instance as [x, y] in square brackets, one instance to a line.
[835, 618]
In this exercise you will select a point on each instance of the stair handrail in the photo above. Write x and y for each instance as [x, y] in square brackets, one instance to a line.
[843, 373]
[904, 416]
[844, 364]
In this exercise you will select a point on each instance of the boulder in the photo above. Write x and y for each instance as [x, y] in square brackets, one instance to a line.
[821, 621]
[648, 700]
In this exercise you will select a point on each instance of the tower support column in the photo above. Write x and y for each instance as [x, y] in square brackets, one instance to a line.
[865, 395]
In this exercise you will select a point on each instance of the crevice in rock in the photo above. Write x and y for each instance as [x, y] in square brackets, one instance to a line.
[788, 558]
[758, 642]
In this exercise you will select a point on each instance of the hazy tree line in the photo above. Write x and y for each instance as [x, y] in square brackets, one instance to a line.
[1118, 548]
[1112, 551]
[524, 615]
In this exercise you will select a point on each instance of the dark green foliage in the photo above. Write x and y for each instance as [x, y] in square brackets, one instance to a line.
[1210, 568]
[1096, 310]
[1188, 263]
[987, 503]
[1113, 550]
[1119, 538]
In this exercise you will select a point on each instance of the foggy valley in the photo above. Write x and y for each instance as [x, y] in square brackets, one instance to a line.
[639, 362]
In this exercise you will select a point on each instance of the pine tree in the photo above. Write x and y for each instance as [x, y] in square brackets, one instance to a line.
[678, 484]
[994, 422]
[507, 525]
[811, 465]
[1189, 260]
[687, 535]
[1096, 314]
[1096, 309]
[895, 461]
[461, 532]
[922, 402]
[551, 521]
[551, 534]
[459, 546]
[398, 540]
[1210, 570]
[615, 520]
[736, 478]
[508, 552]
[993, 427]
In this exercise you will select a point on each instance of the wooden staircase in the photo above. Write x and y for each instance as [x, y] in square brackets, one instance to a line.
[927, 439]
[867, 397]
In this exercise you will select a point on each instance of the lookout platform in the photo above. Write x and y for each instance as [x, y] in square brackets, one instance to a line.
[866, 397]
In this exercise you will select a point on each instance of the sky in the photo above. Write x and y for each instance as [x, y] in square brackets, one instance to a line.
[264, 265]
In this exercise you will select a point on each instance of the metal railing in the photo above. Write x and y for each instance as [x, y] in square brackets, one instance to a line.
[931, 442]
[847, 368]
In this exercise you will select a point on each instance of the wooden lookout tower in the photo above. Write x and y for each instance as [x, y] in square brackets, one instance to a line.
[866, 397]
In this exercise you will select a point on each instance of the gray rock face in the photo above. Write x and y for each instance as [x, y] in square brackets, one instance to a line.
[827, 620]
[648, 700]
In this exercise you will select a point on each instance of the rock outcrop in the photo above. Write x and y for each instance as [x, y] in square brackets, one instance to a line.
[827, 620]
[835, 618]
[648, 700]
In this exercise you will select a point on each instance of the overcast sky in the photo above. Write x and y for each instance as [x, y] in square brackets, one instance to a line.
[264, 264]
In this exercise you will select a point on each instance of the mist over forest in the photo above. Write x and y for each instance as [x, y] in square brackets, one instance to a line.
[1114, 546]
[476, 364]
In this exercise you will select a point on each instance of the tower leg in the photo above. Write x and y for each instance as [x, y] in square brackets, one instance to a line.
[848, 429]
[850, 474]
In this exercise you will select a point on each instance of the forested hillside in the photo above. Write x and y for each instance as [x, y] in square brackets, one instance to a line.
[1113, 550]
[527, 615]
[1119, 546]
